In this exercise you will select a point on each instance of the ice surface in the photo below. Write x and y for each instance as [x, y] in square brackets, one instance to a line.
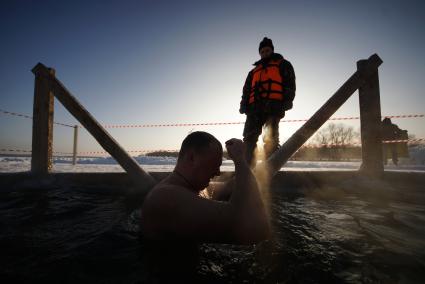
[160, 164]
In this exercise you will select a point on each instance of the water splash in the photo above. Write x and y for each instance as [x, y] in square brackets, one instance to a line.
[262, 171]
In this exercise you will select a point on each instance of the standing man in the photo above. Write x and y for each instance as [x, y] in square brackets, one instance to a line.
[268, 92]
[391, 132]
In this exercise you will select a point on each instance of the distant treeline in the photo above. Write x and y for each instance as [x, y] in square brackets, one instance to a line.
[304, 154]
[163, 154]
[328, 153]
[324, 153]
[172, 154]
[14, 155]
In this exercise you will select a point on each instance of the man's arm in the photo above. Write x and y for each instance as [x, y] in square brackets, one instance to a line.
[245, 93]
[289, 83]
[246, 198]
[177, 213]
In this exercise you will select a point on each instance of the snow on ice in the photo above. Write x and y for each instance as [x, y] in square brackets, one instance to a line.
[415, 163]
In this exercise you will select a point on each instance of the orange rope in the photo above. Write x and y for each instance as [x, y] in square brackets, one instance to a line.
[211, 123]
[409, 141]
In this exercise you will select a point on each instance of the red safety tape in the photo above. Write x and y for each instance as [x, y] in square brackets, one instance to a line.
[131, 151]
[211, 123]
[169, 125]
[409, 141]
[242, 122]
[15, 150]
[29, 151]
[404, 116]
[30, 117]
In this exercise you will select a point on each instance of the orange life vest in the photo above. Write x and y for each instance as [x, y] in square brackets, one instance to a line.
[267, 83]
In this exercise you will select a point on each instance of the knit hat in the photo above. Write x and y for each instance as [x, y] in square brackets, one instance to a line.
[387, 121]
[266, 42]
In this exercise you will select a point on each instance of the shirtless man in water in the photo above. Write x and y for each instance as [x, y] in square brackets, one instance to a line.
[174, 208]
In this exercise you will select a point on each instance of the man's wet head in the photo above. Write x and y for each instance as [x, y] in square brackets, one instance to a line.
[266, 48]
[199, 159]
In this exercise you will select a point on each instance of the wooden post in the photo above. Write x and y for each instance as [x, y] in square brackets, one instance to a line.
[370, 124]
[143, 180]
[74, 152]
[281, 156]
[42, 126]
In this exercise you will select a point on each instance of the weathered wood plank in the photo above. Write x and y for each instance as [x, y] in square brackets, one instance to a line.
[281, 156]
[42, 126]
[142, 179]
[370, 124]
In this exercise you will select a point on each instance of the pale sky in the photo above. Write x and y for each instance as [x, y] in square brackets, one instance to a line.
[150, 62]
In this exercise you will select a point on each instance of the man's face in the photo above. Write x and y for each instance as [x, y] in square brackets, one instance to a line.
[206, 166]
[266, 52]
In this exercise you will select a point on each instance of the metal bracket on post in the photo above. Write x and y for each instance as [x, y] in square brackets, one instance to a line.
[42, 127]
[370, 124]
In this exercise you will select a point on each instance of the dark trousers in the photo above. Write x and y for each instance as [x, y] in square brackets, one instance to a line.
[253, 128]
[392, 148]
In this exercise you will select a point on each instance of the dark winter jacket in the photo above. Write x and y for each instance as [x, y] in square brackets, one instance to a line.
[274, 107]
[390, 131]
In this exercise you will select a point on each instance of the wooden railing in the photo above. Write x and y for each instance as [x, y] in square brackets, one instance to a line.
[48, 86]
[366, 80]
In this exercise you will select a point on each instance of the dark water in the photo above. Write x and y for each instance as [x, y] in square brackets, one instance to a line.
[361, 231]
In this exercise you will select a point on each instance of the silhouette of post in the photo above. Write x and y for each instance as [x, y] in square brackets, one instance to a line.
[143, 180]
[42, 126]
[74, 149]
[370, 123]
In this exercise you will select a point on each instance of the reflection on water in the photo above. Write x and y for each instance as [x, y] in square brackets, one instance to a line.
[358, 232]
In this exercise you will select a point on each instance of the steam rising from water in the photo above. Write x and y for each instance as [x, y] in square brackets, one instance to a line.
[262, 172]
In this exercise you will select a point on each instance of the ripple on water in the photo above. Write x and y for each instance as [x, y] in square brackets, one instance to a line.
[87, 235]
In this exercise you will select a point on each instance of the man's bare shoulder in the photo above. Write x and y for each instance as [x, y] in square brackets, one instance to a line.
[171, 210]
[162, 193]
